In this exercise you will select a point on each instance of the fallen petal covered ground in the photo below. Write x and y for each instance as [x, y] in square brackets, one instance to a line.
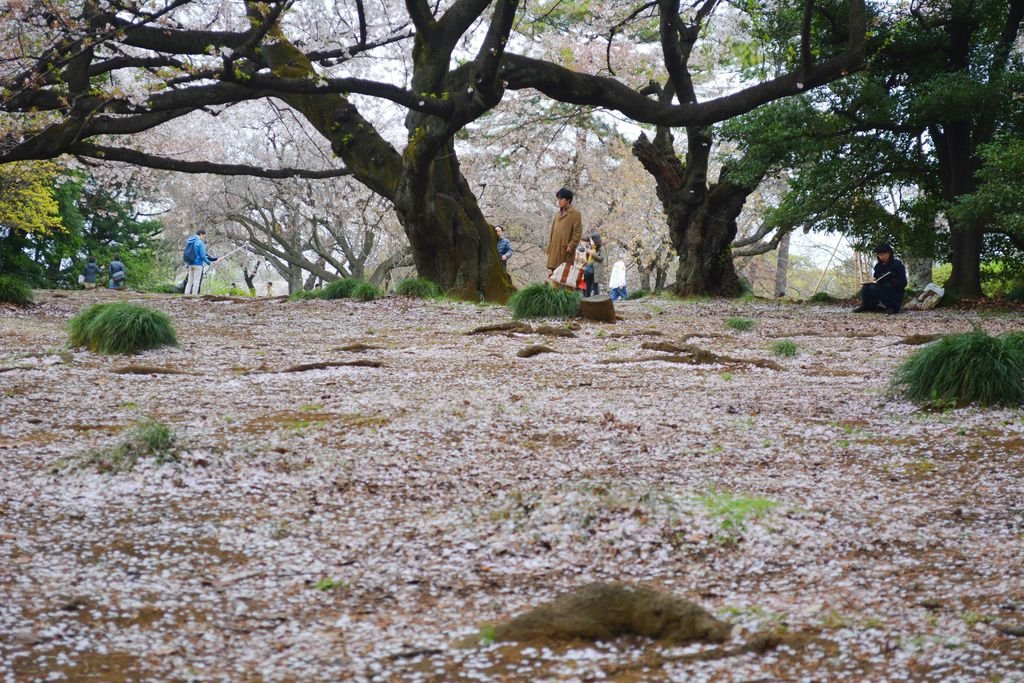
[364, 489]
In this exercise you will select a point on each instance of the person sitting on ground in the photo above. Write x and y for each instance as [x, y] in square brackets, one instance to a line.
[91, 272]
[885, 290]
[118, 274]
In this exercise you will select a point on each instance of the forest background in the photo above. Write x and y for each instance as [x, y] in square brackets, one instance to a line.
[378, 142]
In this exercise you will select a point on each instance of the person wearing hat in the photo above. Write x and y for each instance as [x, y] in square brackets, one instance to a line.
[885, 290]
[566, 231]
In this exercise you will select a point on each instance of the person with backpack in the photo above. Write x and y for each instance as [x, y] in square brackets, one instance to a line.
[196, 259]
[118, 274]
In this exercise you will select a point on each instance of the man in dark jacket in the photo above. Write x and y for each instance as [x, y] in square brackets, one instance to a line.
[885, 291]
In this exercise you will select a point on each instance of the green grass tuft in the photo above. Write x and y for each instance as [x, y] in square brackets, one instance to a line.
[364, 291]
[146, 439]
[822, 298]
[306, 294]
[740, 324]
[121, 328]
[784, 348]
[420, 288]
[541, 300]
[733, 510]
[351, 288]
[339, 289]
[638, 294]
[14, 291]
[960, 369]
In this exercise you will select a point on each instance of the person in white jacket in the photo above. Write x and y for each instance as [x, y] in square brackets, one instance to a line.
[617, 283]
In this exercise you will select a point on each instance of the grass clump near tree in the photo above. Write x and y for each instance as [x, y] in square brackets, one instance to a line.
[541, 300]
[14, 291]
[146, 439]
[822, 298]
[961, 369]
[784, 348]
[351, 288]
[740, 324]
[638, 294]
[121, 328]
[306, 294]
[420, 288]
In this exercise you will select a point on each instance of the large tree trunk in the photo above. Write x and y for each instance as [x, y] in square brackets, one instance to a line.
[965, 280]
[701, 215]
[452, 243]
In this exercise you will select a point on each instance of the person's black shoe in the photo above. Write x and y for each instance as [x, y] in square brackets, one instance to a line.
[891, 311]
[861, 309]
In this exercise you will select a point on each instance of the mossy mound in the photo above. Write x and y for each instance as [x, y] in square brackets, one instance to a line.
[14, 291]
[541, 300]
[604, 611]
[420, 288]
[960, 369]
[121, 328]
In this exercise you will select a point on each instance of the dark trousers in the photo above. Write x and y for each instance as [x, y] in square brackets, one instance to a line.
[590, 288]
[873, 295]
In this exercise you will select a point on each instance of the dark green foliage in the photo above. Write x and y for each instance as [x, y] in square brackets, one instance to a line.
[364, 291]
[306, 294]
[960, 369]
[339, 289]
[784, 348]
[147, 439]
[740, 324]
[822, 298]
[541, 300]
[638, 294]
[121, 328]
[14, 291]
[419, 288]
[163, 289]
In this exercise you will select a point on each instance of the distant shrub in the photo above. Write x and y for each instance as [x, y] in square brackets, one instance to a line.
[638, 294]
[960, 369]
[1015, 293]
[14, 291]
[784, 348]
[822, 298]
[163, 288]
[340, 289]
[306, 294]
[121, 328]
[541, 300]
[418, 287]
[364, 291]
[740, 324]
[146, 439]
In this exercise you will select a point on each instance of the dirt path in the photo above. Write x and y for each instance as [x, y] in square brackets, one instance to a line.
[355, 521]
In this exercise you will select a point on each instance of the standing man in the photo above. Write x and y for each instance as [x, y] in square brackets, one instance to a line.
[566, 231]
[196, 258]
[504, 246]
[885, 291]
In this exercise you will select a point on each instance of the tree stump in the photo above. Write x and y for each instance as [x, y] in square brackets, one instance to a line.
[599, 308]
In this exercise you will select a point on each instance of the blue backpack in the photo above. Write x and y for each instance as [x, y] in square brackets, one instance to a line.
[189, 255]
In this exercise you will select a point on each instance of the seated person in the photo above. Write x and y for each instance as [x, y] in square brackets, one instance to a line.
[885, 291]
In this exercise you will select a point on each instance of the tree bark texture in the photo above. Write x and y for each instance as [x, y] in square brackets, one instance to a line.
[701, 215]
